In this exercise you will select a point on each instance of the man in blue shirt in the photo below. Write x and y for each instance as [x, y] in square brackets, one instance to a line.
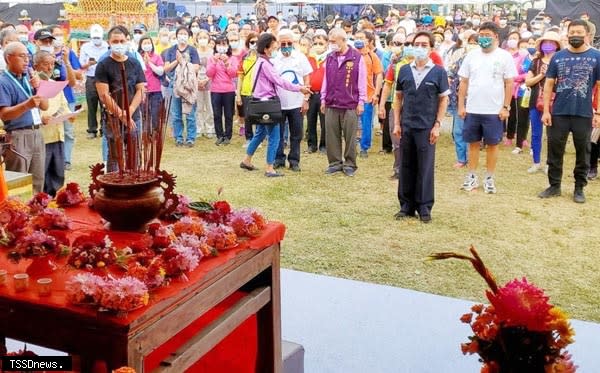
[573, 73]
[421, 100]
[20, 112]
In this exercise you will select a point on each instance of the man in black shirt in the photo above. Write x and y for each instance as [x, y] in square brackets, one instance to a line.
[110, 90]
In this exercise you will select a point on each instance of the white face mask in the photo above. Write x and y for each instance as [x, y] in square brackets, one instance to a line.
[222, 49]
[137, 37]
[512, 44]
[195, 30]
[203, 42]
[59, 42]
[182, 39]
[119, 49]
[333, 47]
[47, 48]
[97, 41]
[147, 47]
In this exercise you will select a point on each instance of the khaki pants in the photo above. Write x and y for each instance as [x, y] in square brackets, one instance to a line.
[204, 114]
[341, 124]
[30, 145]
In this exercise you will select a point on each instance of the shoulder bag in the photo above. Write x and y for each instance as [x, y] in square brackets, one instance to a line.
[263, 111]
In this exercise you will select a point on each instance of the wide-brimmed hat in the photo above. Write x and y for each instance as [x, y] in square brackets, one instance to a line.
[548, 36]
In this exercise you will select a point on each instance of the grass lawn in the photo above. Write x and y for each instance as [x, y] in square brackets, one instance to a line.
[344, 227]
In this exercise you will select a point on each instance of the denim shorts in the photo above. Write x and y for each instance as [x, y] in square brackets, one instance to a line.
[488, 127]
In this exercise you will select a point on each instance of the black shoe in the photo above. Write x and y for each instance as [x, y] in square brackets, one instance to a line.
[349, 171]
[274, 174]
[322, 150]
[225, 141]
[332, 170]
[311, 150]
[363, 154]
[277, 166]
[219, 141]
[295, 168]
[578, 196]
[67, 166]
[425, 218]
[248, 167]
[592, 174]
[403, 215]
[551, 191]
[395, 176]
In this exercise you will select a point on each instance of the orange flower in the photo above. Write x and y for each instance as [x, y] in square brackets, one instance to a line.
[466, 318]
[559, 323]
[477, 308]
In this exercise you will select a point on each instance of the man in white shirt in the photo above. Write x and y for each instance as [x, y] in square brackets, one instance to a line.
[89, 56]
[408, 24]
[293, 66]
[487, 76]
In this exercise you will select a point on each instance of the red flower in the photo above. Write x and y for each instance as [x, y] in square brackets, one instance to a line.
[222, 207]
[520, 303]
[466, 318]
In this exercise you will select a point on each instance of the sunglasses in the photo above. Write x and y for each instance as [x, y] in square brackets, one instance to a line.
[408, 44]
[252, 42]
[286, 44]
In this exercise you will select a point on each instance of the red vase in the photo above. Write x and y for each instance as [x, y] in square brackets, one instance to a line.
[41, 266]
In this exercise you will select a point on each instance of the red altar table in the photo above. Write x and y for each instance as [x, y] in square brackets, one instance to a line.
[225, 318]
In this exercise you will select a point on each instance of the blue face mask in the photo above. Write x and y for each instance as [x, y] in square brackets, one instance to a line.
[359, 44]
[485, 41]
[421, 53]
[409, 51]
[286, 49]
[531, 51]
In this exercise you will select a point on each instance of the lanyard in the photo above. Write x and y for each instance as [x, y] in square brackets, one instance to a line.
[24, 84]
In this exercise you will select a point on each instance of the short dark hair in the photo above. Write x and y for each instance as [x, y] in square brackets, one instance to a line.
[145, 37]
[264, 41]
[182, 28]
[428, 35]
[370, 36]
[251, 35]
[220, 40]
[117, 30]
[580, 22]
[490, 26]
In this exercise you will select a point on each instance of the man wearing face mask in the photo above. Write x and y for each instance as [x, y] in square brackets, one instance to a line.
[343, 96]
[66, 68]
[162, 43]
[89, 55]
[365, 43]
[294, 67]
[503, 30]
[420, 106]
[574, 74]
[487, 75]
[109, 83]
[139, 30]
[23, 33]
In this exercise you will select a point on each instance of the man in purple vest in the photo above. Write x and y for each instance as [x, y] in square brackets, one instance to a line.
[343, 95]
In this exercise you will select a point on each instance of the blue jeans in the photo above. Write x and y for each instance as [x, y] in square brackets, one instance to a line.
[69, 136]
[154, 100]
[296, 130]
[178, 122]
[460, 145]
[366, 122]
[262, 131]
[537, 131]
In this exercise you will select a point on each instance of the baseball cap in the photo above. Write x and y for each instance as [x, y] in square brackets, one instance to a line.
[43, 34]
[96, 31]
[139, 27]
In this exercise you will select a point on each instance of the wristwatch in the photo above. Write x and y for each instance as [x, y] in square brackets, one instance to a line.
[506, 107]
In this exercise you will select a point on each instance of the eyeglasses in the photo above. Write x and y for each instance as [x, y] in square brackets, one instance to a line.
[408, 44]
[286, 44]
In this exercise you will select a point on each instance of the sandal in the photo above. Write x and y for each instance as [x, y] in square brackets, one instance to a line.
[248, 167]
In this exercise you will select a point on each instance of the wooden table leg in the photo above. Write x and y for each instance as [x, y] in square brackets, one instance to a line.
[269, 322]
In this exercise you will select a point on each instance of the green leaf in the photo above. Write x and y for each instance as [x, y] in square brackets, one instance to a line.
[201, 206]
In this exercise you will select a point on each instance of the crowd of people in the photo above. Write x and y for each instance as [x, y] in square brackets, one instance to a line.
[347, 80]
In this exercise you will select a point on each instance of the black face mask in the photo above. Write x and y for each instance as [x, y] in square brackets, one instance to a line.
[576, 41]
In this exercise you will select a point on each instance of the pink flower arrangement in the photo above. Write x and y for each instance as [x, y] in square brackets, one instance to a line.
[189, 225]
[221, 237]
[36, 243]
[39, 202]
[14, 216]
[247, 222]
[122, 294]
[69, 195]
[152, 275]
[181, 210]
[179, 259]
[51, 218]
[162, 235]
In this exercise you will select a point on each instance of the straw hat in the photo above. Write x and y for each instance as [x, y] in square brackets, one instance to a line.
[550, 36]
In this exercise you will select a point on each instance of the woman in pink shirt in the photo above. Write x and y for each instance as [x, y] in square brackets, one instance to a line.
[154, 70]
[266, 81]
[222, 70]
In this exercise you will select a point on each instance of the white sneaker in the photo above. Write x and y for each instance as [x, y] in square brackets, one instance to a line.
[517, 150]
[534, 169]
[489, 186]
[245, 144]
[471, 182]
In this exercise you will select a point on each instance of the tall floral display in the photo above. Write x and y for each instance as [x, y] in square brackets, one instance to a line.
[519, 331]
[108, 13]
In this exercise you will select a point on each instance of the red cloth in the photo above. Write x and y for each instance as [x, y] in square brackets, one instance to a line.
[318, 74]
[85, 221]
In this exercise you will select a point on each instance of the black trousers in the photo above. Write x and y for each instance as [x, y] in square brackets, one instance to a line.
[314, 113]
[296, 126]
[223, 105]
[594, 154]
[518, 122]
[91, 98]
[386, 141]
[557, 134]
[54, 177]
[416, 185]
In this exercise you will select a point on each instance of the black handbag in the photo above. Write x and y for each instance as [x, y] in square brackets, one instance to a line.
[263, 111]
